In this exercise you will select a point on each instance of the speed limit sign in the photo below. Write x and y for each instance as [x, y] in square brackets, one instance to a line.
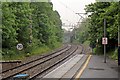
[19, 46]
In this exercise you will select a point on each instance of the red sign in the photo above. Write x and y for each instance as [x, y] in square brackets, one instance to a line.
[104, 40]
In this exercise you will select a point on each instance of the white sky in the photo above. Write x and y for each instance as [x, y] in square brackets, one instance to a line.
[68, 8]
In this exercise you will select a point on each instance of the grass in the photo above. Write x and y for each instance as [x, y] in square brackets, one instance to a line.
[13, 57]
[97, 51]
[113, 54]
[37, 51]
[21, 55]
[40, 50]
[86, 43]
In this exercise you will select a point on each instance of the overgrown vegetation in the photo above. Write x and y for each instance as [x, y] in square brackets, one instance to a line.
[98, 12]
[82, 32]
[34, 24]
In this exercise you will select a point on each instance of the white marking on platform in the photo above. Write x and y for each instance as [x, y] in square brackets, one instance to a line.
[61, 70]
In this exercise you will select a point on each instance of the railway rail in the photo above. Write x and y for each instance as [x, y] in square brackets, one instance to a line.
[4, 70]
[39, 66]
[13, 71]
[61, 59]
[68, 69]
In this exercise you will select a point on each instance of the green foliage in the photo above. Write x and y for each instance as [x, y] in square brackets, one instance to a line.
[98, 50]
[113, 54]
[82, 32]
[8, 20]
[40, 50]
[100, 11]
[35, 25]
[86, 43]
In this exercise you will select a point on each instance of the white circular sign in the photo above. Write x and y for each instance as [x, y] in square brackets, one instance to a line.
[19, 46]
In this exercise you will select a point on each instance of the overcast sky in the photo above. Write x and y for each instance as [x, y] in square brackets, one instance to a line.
[68, 8]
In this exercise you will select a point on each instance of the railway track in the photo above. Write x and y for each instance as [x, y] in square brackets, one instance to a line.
[4, 70]
[60, 60]
[41, 64]
[13, 71]
[68, 69]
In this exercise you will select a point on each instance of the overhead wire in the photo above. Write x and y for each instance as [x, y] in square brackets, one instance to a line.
[66, 6]
[81, 17]
[70, 9]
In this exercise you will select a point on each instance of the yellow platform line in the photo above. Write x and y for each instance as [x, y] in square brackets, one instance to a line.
[83, 68]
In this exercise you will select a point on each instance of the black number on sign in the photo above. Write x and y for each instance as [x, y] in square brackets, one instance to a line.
[19, 46]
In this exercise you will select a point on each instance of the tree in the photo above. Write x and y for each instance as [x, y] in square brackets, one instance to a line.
[33, 24]
[99, 11]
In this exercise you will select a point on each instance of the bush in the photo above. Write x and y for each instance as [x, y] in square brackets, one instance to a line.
[98, 50]
[115, 55]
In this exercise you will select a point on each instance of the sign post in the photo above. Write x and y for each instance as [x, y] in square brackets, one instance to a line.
[119, 44]
[104, 41]
[119, 55]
